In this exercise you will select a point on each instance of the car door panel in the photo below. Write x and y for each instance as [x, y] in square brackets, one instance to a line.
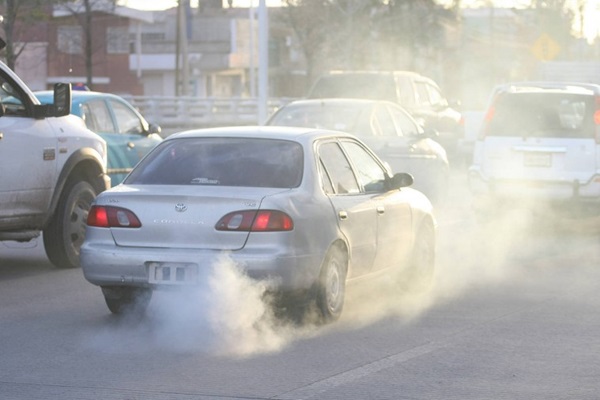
[355, 211]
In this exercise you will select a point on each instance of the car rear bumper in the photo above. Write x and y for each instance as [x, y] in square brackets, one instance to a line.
[560, 191]
[105, 264]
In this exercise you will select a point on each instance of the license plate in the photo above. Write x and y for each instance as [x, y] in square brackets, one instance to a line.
[537, 159]
[172, 273]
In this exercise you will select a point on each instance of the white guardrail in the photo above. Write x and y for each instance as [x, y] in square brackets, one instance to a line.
[173, 113]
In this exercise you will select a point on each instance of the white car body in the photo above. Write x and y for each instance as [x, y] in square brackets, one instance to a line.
[51, 167]
[546, 148]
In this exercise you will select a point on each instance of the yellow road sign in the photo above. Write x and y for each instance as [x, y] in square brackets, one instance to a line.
[545, 48]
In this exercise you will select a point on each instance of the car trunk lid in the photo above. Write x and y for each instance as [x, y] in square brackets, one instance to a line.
[183, 217]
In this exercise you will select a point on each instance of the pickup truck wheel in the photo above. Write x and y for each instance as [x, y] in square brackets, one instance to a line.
[64, 234]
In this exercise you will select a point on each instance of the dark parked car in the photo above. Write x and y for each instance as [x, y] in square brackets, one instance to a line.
[418, 94]
[386, 128]
[128, 135]
[306, 209]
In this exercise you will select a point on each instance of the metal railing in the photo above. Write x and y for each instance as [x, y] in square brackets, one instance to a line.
[193, 112]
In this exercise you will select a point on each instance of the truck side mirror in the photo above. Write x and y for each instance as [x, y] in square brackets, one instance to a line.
[62, 99]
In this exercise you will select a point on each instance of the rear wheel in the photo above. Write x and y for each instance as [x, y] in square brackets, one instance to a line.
[64, 234]
[331, 288]
[122, 299]
[422, 259]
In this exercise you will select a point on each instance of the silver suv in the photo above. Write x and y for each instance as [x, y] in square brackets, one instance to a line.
[539, 143]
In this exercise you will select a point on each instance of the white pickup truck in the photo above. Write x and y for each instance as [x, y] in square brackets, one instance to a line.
[51, 168]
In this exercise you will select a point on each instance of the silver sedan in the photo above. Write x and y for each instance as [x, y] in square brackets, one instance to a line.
[307, 209]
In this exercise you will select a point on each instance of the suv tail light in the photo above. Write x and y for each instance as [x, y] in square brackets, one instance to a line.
[255, 221]
[487, 120]
[597, 120]
[112, 217]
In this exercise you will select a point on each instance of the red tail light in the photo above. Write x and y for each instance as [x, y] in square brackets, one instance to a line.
[255, 221]
[112, 217]
[487, 120]
[597, 119]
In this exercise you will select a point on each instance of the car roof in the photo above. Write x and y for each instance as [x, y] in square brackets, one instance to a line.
[299, 134]
[542, 86]
[338, 102]
[371, 72]
[76, 95]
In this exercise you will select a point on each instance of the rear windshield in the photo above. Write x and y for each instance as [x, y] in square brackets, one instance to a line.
[370, 86]
[248, 162]
[543, 115]
[341, 117]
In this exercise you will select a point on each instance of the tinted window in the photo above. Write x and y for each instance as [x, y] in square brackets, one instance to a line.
[543, 115]
[245, 162]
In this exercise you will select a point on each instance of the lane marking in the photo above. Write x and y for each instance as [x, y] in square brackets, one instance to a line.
[352, 375]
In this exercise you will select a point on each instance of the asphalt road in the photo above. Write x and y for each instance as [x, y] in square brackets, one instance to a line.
[513, 314]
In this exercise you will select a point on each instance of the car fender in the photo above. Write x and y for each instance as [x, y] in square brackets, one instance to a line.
[84, 164]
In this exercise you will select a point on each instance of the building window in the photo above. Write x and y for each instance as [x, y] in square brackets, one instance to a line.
[117, 40]
[70, 39]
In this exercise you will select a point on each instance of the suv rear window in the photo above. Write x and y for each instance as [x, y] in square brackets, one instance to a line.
[248, 162]
[561, 115]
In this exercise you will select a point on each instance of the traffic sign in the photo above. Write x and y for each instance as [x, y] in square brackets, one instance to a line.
[545, 48]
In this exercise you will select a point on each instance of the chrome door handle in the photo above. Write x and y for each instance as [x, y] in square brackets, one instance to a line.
[381, 210]
[131, 145]
[343, 215]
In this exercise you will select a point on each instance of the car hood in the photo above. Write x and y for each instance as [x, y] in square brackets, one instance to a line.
[182, 216]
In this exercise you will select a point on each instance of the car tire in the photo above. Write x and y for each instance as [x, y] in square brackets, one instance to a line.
[64, 234]
[331, 287]
[122, 299]
[422, 260]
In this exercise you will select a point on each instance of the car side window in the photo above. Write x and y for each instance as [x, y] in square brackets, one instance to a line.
[422, 93]
[338, 169]
[405, 124]
[385, 121]
[435, 96]
[97, 117]
[12, 99]
[127, 120]
[370, 174]
[326, 183]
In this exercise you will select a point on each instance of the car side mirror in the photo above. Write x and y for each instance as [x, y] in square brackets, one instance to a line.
[400, 180]
[154, 129]
[62, 99]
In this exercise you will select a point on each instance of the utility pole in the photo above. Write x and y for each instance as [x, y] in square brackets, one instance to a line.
[263, 61]
[181, 56]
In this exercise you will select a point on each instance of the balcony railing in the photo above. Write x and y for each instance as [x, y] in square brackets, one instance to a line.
[173, 113]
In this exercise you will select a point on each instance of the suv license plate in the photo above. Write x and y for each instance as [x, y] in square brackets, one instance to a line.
[537, 159]
[173, 273]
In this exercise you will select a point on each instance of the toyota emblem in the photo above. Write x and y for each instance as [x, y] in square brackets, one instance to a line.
[180, 207]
